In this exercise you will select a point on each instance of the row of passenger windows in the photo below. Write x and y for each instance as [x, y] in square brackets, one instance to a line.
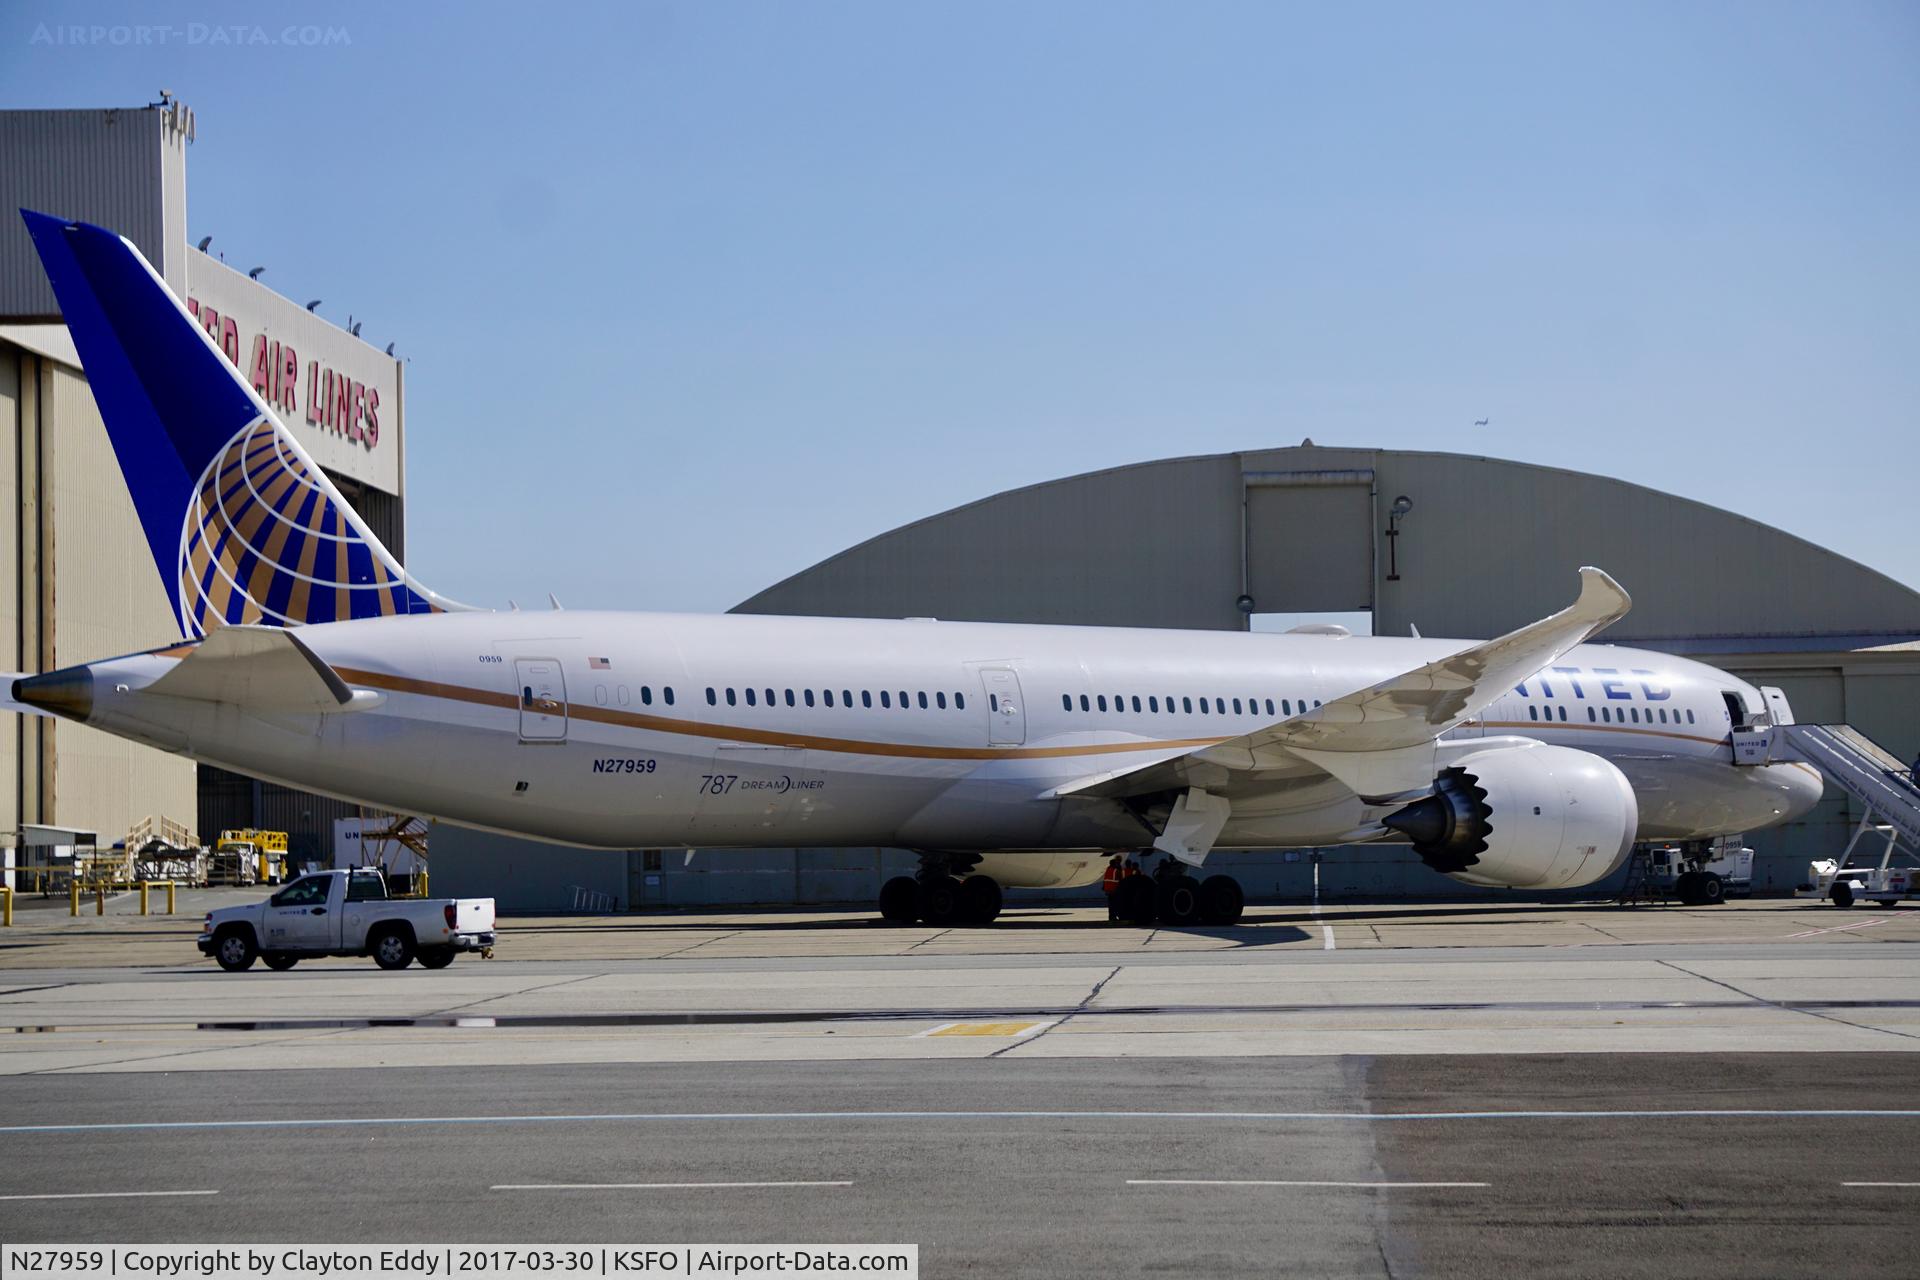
[1215, 706]
[1611, 715]
[937, 701]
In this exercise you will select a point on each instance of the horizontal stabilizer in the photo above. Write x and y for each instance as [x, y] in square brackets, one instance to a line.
[257, 668]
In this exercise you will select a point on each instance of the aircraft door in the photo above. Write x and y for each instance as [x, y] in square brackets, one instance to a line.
[1006, 709]
[1777, 705]
[543, 699]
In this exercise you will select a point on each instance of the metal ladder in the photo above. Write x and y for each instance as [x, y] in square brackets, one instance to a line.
[1863, 769]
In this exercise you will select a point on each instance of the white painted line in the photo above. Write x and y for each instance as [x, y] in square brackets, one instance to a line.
[932, 1031]
[1268, 1182]
[1326, 937]
[653, 1186]
[109, 1195]
[1880, 1184]
[1136, 1114]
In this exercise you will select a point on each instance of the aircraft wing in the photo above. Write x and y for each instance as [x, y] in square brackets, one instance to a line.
[258, 668]
[1379, 741]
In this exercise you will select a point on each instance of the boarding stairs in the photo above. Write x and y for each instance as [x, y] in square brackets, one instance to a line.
[1859, 766]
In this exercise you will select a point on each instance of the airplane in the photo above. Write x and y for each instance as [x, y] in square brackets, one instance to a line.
[1005, 756]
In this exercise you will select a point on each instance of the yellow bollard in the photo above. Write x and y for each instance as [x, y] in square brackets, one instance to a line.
[423, 883]
[100, 901]
[169, 897]
[143, 897]
[73, 907]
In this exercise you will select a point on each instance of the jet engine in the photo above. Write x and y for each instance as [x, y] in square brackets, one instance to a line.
[1535, 817]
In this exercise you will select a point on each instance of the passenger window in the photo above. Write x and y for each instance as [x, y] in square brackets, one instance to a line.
[846, 697]
[959, 702]
[923, 700]
[866, 698]
[730, 698]
[1100, 701]
[789, 693]
[646, 695]
[1153, 703]
[886, 699]
[1085, 705]
[808, 694]
[1136, 702]
[1220, 705]
[1286, 706]
[1589, 715]
[903, 700]
[749, 697]
[940, 701]
[1188, 704]
[1563, 715]
[711, 700]
[1689, 717]
[668, 692]
[770, 697]
[1533, 713]
[1269, 706]
[1203, 706]
[826, 695]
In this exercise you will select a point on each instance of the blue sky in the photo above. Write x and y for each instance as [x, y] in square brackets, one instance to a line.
[744, 284]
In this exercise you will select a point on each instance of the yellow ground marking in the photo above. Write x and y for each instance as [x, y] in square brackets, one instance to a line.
[1006, 1029]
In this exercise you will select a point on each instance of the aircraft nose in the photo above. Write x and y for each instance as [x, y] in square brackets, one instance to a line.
[1801, 787]
[67, 692]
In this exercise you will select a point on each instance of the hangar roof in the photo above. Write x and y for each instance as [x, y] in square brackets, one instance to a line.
[1487, 545]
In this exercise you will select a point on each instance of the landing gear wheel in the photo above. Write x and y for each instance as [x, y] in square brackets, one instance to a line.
[437, 957]
[939, 899]
[900, 900]
[1133, 901]
[1221, 900]
[1685, 888]
[393, 949]
[235, 950]
[1177, 901]
[280, 961]
[979, 899]
[1709, 890]
[1842, 894]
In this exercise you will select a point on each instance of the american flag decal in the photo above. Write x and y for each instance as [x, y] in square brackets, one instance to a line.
[599, 664]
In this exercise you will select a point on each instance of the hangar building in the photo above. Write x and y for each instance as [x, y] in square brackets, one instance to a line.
[77, 581]
[1452, 544]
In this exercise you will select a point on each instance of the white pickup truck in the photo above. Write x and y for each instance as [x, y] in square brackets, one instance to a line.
[347, 913]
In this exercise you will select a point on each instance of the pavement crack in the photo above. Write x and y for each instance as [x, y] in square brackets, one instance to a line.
[1788, 1008]
[1065, 1018]
[504, 995]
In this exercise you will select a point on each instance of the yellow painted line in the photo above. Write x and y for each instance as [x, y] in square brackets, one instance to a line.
[1009, 1030]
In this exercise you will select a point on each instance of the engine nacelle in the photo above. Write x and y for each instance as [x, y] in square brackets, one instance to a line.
[1524, 818]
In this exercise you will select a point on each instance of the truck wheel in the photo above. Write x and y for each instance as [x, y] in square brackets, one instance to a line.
[1710, 889]
[437, 957]
[234, 949]
[280, 961]
[392, 948]
[1842, 894]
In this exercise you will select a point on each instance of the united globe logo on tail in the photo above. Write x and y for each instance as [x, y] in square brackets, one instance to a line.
[265, 541]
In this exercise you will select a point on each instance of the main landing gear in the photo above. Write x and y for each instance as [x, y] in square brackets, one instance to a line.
[938, 898]
[1170, 896]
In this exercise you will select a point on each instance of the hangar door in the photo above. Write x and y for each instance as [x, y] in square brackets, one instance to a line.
[1310, 543]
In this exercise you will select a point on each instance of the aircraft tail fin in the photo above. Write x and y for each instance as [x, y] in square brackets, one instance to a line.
[243, 525]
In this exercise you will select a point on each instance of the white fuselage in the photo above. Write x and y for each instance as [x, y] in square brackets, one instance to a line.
[624, 730]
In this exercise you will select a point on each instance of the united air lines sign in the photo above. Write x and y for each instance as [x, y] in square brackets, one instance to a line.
[337, 394]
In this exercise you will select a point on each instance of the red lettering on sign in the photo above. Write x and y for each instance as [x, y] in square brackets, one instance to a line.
[289, 378]
[230, 340]
[373, 416]
[260, 374]
[314, 391]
